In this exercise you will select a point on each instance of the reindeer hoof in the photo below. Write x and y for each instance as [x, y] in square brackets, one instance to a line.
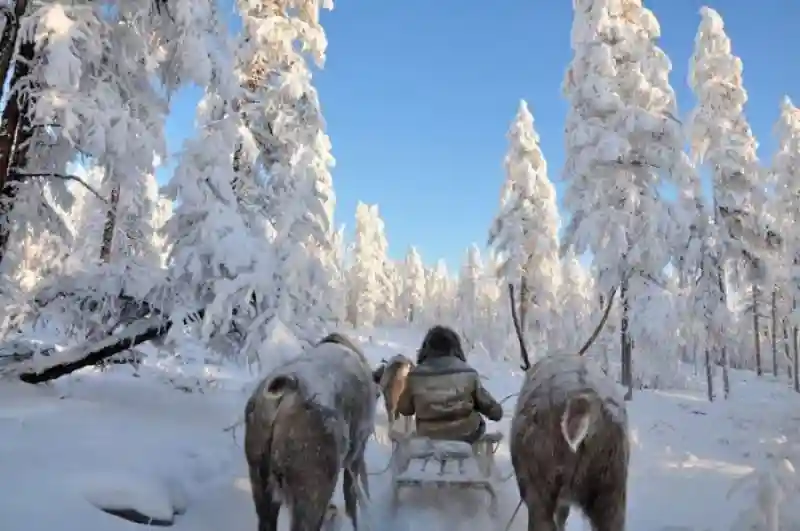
[332, 521]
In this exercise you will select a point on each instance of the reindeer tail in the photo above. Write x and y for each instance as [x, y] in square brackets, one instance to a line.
[576, 420]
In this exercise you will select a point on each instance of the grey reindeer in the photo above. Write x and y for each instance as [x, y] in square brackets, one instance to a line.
[308, 419]
[569, 439]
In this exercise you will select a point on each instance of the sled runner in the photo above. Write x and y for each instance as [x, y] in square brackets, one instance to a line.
[419, 462]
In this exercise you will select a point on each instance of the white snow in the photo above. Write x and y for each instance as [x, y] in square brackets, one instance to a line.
[123, 490]
[110, 439]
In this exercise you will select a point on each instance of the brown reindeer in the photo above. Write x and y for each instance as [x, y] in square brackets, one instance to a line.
[308, 419]
[391, 378]
[569, 439]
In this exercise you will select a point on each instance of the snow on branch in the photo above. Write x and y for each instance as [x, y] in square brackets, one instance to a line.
[58, 364]
[16, 175]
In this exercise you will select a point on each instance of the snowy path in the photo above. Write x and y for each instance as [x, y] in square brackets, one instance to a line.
[63, 443]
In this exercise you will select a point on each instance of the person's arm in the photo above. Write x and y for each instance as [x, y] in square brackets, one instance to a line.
[405, 402]
[485, 402]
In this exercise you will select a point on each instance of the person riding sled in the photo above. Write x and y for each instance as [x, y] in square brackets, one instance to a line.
[445, 393]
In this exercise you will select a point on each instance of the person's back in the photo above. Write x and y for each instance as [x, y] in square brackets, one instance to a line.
[445, 393]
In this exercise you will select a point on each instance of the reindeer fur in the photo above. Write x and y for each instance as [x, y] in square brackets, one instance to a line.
[308, 419]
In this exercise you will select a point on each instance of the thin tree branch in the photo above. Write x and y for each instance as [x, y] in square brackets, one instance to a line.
[631, 164]
[19, 176]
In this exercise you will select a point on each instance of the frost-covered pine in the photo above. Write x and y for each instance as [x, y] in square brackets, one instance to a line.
[721, 137]
[94, 88]
[786, 175]
[722, 140]
[87, 91]
[368, 304]
[339, 283]
[285, 140]
[786, 167]
[440, 291]
[470, 297]
[623, 144]
[576, 302]
[218, 260]
[391, 281]
[622, 138]
[525, 231]
[786, 178]
[413, 300]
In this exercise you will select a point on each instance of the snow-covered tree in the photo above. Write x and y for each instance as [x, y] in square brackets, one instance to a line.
[576, 301]
[786, 175]
[412, 301]
[392, 289]
[786, 170]
[722, 139]
[622, 143]
[369, 302]
[469, 299]
[86, 81]
[339, 282]
[218, 260]
[440, 292]
[525, 231]
[285, 143]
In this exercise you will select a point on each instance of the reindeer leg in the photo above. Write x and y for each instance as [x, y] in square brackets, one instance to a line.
[308, 516]
[267, 508]
[350, 496]
[606, 511]
[562, 514]
[362, 473]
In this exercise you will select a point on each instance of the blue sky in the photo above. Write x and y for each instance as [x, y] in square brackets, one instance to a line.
[418, 96]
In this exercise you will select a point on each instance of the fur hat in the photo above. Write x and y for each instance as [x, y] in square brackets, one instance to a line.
[441, 340]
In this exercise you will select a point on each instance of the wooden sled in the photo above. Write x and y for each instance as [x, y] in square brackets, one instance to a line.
[419, 462]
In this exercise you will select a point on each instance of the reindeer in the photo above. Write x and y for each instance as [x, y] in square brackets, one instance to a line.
[569, 439]
[391, 378]
[308, 419]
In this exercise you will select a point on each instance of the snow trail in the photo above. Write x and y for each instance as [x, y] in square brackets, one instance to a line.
[104, 438]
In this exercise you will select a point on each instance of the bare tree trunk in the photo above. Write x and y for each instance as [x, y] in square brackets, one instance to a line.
[606, 363]
[8, 41]
[774, 331]
[8, 129]
[524, 294]
[795, 374]
[15, 131]
[726, 384]
[110, 225]
[786, 350]
[795, 379]
[709, 376]
[625, 341]
[757, 328]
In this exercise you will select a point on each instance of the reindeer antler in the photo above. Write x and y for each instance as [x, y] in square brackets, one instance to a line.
[526, 362]
[606, 313]
[601, 324]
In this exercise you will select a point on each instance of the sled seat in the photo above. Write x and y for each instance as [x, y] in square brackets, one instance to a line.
[419, 462]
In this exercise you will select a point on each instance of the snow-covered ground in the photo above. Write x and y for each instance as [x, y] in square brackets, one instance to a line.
[159, 445]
